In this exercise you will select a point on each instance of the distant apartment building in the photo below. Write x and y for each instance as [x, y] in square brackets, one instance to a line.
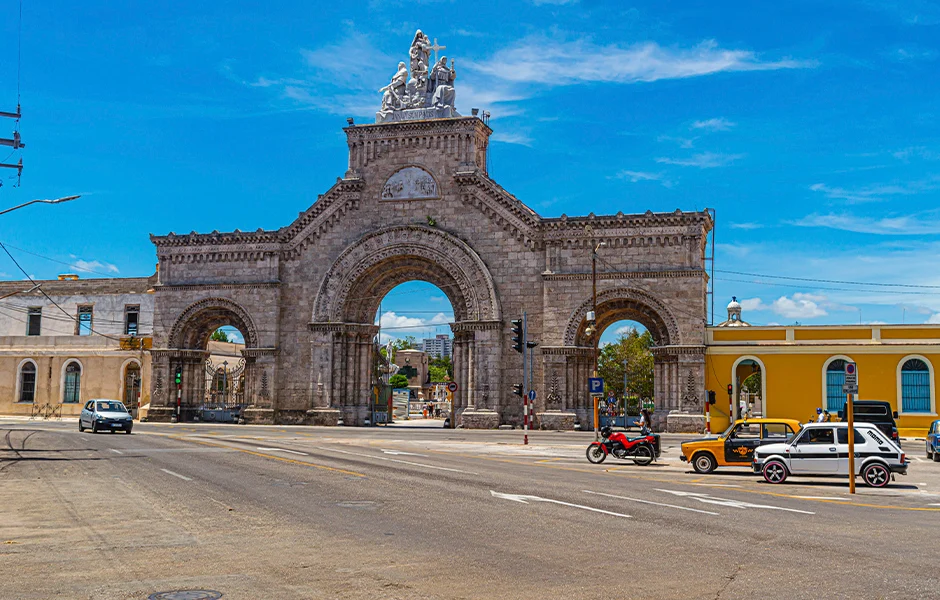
[439, 346]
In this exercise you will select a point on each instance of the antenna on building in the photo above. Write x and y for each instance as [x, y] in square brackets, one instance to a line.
[15, 142]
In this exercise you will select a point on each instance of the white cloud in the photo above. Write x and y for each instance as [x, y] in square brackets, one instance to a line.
[705, 160]
[746, 226]
[875, 193]
[393, 320]
[681, 141]
[94, 266]
[927, 223]
[512, 138]
[719, 124]
[934, 319]
[538, 59]
[800, 306]
[922, 152]
[753, 304]
[638, 176]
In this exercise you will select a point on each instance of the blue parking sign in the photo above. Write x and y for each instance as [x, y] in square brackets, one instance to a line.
[596, 385]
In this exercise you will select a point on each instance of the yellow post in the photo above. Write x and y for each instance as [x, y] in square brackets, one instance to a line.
[850, 417]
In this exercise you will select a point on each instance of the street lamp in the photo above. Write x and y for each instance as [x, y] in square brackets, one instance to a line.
[56, 201]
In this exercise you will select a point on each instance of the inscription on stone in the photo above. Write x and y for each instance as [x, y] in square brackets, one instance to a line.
[410, 183]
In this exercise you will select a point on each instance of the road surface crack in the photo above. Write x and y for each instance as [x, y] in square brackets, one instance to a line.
[729, 580]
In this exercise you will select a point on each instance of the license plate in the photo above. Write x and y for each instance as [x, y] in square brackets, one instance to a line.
[116, 425]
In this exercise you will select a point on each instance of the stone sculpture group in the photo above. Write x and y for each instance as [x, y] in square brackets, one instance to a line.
[423, 94]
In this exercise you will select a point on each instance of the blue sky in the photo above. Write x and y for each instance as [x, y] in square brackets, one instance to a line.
[811, 127]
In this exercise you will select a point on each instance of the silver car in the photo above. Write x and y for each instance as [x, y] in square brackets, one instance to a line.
[105, 415]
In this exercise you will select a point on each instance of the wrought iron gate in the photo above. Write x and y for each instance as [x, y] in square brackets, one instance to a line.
[225, 393]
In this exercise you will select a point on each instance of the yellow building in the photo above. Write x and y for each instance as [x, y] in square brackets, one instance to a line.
[801, 369]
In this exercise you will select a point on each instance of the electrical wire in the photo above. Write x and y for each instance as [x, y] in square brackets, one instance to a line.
[62, 262]
[836, 281]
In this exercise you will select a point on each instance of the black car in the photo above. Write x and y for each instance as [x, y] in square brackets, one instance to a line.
[878, 413]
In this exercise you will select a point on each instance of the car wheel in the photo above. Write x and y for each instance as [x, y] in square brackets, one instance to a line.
[127, 431]
[703, 463]
[94, 427]
[774, 471]
[929, 453]
[877, 475]
[936, 457]
[81, 428]
[596, 454]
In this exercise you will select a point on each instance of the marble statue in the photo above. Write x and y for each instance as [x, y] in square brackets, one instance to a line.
[442, 84]
[420, 92]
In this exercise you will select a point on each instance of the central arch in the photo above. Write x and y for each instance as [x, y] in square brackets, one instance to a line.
[347, 300]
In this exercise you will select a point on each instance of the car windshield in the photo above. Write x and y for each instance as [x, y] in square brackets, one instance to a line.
[728, 431]
[111, 407]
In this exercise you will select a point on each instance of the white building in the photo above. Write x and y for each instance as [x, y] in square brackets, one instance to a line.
[439, 346]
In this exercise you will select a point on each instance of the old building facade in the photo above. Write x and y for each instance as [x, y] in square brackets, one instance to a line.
[82, 339]
[416, 203]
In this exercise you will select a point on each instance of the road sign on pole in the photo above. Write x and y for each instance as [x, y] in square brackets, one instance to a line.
[851, 389]
[452, 386]
[531, 395]
[851, 379]
[596, 386]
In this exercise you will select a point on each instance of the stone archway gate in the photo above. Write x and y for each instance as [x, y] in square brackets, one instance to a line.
[416, 203]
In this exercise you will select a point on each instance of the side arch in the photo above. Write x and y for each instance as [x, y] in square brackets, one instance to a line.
[195, 324]
[736, 389]
[620, 303]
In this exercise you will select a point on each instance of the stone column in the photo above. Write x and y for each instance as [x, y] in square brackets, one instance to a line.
[559, 384]
[323, 356]
[260, 375]
[682, 406]
[479, 352]
[162, 388]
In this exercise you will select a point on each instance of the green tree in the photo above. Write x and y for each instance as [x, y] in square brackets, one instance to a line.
[636, 349]
[219, 336]
[441, 367]
[438, 374]
[398, 381]
[753, 383]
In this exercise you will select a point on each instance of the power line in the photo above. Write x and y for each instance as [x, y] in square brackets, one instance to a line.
[834, 289]
[836, 281]
[62, 262]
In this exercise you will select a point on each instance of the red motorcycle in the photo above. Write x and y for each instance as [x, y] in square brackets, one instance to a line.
[642, 450]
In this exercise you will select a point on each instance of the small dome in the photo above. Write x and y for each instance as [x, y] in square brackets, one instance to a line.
[734, 303]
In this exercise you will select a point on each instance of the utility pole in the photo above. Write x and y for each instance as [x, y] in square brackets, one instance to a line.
[14, 142]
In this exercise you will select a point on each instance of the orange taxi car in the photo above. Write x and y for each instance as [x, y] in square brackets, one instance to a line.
[735, 447]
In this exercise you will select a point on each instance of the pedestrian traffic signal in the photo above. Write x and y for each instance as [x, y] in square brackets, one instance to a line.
[179, 375]
[517, 389]
[517, 335]
[711, 396]
[730, 390]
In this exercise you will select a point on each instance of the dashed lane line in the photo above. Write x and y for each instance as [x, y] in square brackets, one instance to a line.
[525, 499]
[116, 451]
[175, 474]
[284, 450]
[695, 510]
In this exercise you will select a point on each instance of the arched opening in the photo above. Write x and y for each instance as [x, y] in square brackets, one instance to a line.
[833, 380]
[414, 357]
[210, 356]
[131, 386]
[344, 329]
[749, 388]
[625, 362]
[27, 382]
[72, 383]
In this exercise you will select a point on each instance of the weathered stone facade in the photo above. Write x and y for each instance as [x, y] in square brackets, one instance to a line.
[305, 296]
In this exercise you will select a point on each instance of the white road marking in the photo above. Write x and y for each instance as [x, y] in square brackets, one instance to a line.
[917, 458]
[116, 451]
[934, 504]
[707, 512]
[818, 497]
[524, 499]
[706, 499]
[397, 452]
[404, 462]
[283, 450]
[183, 477]
[729, 485]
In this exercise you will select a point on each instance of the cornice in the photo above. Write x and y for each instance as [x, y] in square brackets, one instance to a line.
[256, 352]
[398, 129]
[263, 285]
[567, 351]
[179, 353]
[677, 350]
[493, 201]
[476, 326]
[662, 274]
[689, 222]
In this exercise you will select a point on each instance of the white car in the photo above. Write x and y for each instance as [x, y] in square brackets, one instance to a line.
[823, 449]
[105, 415]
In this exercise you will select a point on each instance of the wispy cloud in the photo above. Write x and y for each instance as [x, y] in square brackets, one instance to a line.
[93, 266]
[681, 141]
[718, 124]
[922, 152]
[704, 160]
[925, 223]
[799, 305]
[638, 176]
[746, 226]
[875, 193]
[538, 59]
[512, 137]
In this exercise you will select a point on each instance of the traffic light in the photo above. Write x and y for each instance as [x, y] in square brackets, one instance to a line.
[730, 390]
[179, 375]
[517, 390]
[517, 335]
[711, 396]
[529, 344]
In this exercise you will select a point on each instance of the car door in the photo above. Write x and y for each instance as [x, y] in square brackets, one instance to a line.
[815, 452]
[842, 445]
[741, 442]
[775, 433]
[85, 416]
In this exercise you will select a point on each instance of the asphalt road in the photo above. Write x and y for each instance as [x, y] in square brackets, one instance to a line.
[283, 513]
